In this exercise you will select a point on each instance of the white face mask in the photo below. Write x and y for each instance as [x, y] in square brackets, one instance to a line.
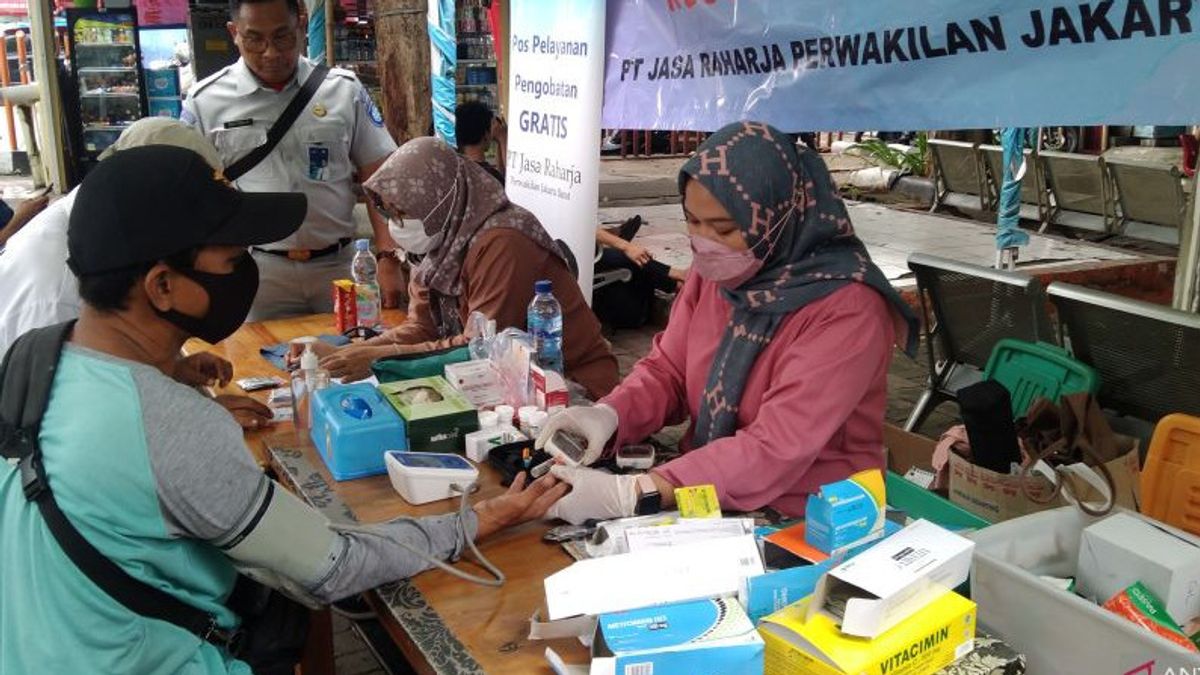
[410, 235]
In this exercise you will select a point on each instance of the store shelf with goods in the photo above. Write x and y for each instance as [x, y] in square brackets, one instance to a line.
[106, 73]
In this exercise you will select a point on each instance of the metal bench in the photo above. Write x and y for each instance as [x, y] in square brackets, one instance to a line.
[958, 176]
[966, 310]
[1147, 355]
[1035, 203]
[1082, 195]
[1151, 197]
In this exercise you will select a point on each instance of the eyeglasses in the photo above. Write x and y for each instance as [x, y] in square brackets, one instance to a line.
[257, 44]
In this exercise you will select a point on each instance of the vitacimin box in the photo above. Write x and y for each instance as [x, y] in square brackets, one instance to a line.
[936, 636]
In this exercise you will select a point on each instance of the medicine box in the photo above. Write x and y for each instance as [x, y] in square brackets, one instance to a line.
[352, 426]
[436, 416]
[771, 592]
[423, 477]
[703, 636]
[162, 82]
[1122, 549]
[894, 579]
[478, 381]
[620, 582]
[846, 513]
[798, 643]
[164, 107]
[479, 444]
[549, 389]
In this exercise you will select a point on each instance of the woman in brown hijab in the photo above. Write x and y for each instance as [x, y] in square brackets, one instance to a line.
[484, 254]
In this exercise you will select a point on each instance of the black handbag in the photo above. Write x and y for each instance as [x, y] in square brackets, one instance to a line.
[274, 628]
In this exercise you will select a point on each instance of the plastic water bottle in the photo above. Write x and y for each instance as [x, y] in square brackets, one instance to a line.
[545, 323]
[365, 271]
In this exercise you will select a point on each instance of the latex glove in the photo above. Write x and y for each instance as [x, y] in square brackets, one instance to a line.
[596, 424]
[594, 494]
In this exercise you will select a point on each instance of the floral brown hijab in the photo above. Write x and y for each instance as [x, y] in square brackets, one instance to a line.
[426, 179]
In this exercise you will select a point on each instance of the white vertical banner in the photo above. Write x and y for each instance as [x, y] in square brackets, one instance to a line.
[556, 87]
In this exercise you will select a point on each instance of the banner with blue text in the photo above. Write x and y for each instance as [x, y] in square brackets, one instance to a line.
[817, 65]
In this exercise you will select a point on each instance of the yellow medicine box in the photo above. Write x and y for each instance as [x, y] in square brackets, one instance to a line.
[697, 501]
[933, 638]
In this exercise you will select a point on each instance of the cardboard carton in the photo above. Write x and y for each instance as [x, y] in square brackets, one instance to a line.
[436, 416]
[705, 636]
[655, 576]
[799, 643]
[894, 579]
[1121, 550]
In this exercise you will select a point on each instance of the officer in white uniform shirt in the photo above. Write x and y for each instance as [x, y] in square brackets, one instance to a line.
[338, 138]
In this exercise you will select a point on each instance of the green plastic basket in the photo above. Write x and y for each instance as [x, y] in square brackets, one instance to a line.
[1030, 371]
[918, 502]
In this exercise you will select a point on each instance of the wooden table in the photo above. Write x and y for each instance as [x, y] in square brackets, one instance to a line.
[441, 623]
[242, 350]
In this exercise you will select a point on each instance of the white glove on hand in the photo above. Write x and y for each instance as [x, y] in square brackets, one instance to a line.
[594, 494]
[596, 424]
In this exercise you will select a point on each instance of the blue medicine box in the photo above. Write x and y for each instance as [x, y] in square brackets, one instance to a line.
[352, 427]
[162, 82]
[713, 636]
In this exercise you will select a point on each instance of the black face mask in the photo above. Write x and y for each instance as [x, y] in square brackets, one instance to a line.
[229, 299]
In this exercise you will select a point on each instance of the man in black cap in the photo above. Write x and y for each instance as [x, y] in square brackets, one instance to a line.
[154, 475]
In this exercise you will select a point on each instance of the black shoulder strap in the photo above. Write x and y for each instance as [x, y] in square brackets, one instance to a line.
[279, 129]
[26, 377]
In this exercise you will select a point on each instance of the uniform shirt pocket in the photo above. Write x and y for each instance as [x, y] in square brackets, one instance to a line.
[326, 151]
[233, 144]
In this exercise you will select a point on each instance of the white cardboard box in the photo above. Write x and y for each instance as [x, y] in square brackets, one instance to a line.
[894, 579]
[1121, 550]
[657, 576]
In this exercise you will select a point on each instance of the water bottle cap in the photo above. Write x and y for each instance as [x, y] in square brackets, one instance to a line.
[362, 244]
[543, 286]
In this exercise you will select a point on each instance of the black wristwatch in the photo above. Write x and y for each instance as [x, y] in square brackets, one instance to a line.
[650, 501]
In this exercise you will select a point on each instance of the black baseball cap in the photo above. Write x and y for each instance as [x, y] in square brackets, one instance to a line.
[144, 204]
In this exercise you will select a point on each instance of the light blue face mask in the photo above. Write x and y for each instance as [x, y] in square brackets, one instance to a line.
[409, 235]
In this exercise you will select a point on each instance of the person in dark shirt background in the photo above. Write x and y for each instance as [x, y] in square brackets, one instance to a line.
[476, 128]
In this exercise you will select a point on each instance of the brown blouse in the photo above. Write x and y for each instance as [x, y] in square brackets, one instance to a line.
[498, 276]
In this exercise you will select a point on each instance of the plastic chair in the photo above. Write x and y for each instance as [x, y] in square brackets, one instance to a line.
[1171, 477]
[966, 310]
[1038, 370]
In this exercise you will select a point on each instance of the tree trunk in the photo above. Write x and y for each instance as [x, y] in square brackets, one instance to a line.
[402, 45]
